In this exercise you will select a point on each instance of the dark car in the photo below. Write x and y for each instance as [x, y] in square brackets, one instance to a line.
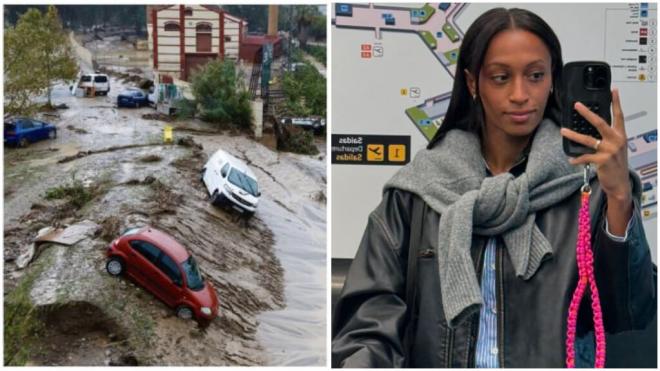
[132, 98]
[22, 131]
[315, 123]
[157, 262]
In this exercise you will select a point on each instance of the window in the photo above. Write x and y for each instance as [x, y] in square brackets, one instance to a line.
[130, 231]
[193, 277]
[100, 79]
[225, 170]
[172, 26]
[149, 251]
[203, 27]
[244, 182]
[86, 78]
[169, 267]
[227, 39]
[203, 37]
[188, 11]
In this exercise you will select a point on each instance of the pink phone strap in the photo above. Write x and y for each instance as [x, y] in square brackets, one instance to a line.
[585, 263]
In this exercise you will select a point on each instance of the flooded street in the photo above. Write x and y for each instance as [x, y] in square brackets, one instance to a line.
[269, 272]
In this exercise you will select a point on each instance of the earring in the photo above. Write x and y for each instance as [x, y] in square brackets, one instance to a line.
[474, 97]
[552, 89]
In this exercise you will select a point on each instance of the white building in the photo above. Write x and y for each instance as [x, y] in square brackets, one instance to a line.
[183, 37]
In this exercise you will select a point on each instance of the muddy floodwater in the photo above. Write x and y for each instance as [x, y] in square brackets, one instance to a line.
[269, 272]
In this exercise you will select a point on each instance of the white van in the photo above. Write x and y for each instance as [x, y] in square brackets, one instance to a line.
[99, 81]
[228, 180]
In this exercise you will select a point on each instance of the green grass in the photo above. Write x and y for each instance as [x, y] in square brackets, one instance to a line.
[76, 193]
[21, 319]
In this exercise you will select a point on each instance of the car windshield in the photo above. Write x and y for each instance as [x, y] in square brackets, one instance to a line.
[193, 277]
[100, 79]
[10, 128]
[131, 231]
[86, 78]
[243, 181]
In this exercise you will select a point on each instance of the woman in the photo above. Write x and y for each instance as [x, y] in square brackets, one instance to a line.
[488, 213]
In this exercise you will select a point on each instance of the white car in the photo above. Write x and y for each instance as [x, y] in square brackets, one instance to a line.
[99, 81]
[228, 180]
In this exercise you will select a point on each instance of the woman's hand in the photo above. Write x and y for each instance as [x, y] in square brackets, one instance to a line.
[611, 160]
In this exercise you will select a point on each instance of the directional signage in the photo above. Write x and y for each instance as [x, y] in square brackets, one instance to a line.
[358, 149]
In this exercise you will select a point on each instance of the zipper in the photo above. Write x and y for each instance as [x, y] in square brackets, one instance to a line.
[472, 339]
[450, 345]
[500, 304]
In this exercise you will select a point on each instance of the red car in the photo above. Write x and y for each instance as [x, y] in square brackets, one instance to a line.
[163, 266]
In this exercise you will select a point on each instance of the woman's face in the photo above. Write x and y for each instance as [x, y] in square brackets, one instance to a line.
[514, 83]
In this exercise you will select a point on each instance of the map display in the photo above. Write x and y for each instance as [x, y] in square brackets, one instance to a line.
[393, 70]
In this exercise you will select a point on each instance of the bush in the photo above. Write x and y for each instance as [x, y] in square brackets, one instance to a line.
[185, 109]
[297, 140]
[220, 91]
[318, 52]
[75, 192]
[305, 91]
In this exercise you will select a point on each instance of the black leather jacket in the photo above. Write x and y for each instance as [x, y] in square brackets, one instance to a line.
[371, 315]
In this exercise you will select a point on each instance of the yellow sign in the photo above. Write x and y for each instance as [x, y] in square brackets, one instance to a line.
[375, 152]
[404, 92]
[167, 134]
[647, 213]
[396, 152]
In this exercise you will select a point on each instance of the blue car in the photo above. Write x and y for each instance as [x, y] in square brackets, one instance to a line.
[132, 98]
[22, 131]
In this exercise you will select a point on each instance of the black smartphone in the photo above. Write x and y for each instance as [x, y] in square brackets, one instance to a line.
[587, 82]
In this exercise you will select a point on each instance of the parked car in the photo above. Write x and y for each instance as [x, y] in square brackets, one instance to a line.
[311, 123]
[230, 182]
[21, 131]
[99, 81]
[132, 97]
[293, 67]
[157, 262]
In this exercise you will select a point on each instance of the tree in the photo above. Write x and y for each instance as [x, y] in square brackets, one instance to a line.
[57, 55]
[220, 91]
[304, 17]
[37, 54]
[305, 91]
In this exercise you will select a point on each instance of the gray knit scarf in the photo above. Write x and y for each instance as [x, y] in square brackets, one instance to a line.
[451, 179]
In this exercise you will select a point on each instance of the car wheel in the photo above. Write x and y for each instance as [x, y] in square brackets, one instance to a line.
[23, 142]
[184, 312]
[115, 266]
[52, 134]
[216, 198]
